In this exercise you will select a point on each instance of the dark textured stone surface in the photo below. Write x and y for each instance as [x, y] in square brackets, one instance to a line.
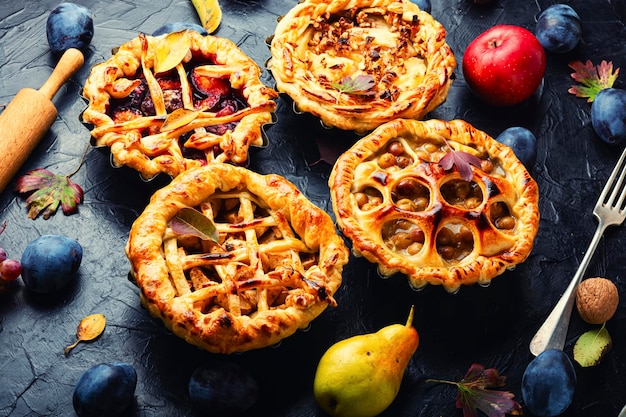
[492, 325]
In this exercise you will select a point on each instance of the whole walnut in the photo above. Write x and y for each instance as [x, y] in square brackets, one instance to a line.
[596, 300]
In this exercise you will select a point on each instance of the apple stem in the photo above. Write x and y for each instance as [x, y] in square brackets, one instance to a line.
[494, 43]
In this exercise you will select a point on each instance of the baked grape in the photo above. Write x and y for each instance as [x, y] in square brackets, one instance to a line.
[50, 262]
[522, 141]
[608, 115]
[105, 390]
[558, 28]
[69, 25]
[549, 383]
[222, 389]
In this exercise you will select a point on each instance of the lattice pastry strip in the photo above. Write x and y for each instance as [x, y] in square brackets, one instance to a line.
[275, 268]
[408, 214]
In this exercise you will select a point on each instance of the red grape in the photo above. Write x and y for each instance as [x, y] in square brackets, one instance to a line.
[10, 269]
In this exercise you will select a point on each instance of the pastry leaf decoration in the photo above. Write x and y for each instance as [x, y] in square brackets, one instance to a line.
[592, 346]
[359, 85]
[178, 118]
[47, 191]
[592, 79]
[170, 51]
[474, 393]
[89, 328]
[461, 160]
[190, 221]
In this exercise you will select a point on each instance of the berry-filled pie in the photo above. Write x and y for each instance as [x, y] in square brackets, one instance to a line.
[356, 64]
[274, 267]
[169, 103]
[441, 202]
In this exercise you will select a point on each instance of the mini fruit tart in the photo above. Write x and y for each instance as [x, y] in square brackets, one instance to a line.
[272, 266]
[356, 64]
[177, 101]
[441, 202]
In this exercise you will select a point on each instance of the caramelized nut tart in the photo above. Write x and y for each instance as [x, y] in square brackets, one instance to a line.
[177, 101]
[274, 268]
[405, 212]
[356, 64]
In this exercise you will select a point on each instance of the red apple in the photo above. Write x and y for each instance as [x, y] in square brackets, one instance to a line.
[504, 65]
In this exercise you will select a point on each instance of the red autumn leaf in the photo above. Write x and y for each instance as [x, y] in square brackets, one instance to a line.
[592, 79]
[473, 393]
[462, 161]
[47, 191]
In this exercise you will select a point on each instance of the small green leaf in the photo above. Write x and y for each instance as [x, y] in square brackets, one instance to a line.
[361, 84]
[592, 346]
[170, 51]
[49, 190]
[189, 221]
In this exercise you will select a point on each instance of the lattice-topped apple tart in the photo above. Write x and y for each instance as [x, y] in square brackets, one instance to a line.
[274, 265]
[356, 64]
[169, 103]
[441, 202]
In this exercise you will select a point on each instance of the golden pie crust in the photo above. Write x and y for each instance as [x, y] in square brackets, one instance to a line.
[153, 118]
[276, 266]
[405, 212]
[317, 44]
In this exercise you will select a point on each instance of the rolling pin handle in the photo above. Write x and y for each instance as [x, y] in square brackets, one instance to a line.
[68, 64]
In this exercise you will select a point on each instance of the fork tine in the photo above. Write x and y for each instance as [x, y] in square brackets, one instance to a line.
[618, 189]
[615, 187]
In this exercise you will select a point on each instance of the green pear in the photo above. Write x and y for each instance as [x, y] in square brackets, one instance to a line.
[360, 376]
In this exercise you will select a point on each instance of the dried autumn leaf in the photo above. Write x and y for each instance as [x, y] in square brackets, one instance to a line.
[592, 79]
[189, 221]
[361, 84]
[473, 394]
[592, 346]
[170, 51]
[89, 328]
[49, 190]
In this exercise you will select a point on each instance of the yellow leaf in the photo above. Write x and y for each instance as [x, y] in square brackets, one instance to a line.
[592, 346]
[170, 51]
[89, 328]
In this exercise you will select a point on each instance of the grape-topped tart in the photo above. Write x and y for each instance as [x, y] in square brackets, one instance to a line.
[442, 202]
[232, 260]
[356, 64]
[169, 103]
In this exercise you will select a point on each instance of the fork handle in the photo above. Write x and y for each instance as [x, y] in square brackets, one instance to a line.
[553, 332]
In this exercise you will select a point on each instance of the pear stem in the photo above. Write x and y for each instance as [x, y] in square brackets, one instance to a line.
[409, 321]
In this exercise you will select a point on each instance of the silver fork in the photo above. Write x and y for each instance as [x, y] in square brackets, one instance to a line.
[609, 210]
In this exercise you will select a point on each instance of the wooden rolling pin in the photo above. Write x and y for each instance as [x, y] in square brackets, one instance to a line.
[29, 116]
